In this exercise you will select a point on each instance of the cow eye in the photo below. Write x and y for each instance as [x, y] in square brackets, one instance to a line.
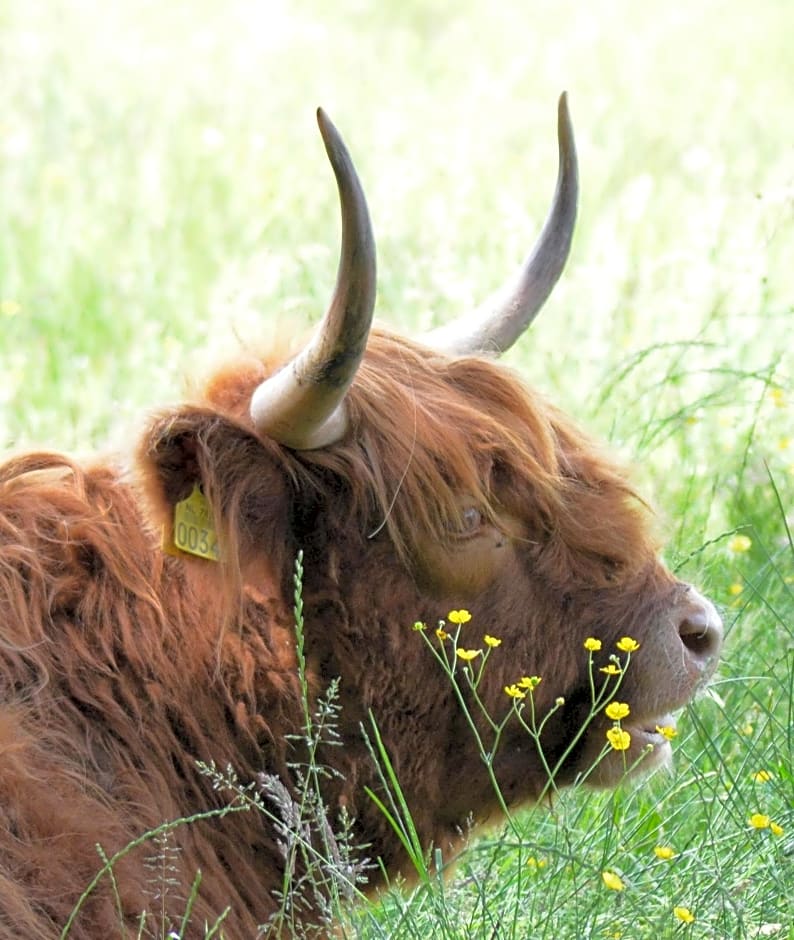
[471, 521]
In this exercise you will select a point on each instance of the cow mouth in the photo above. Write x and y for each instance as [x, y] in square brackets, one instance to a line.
[647, 736]
[601, 765]
[649, 749]
[650, 734]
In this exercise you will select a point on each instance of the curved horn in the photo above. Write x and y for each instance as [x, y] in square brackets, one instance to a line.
[498, 323]
[303, 405]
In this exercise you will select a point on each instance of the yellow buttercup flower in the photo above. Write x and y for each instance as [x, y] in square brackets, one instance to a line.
[459, 616]
[529, 682]
[442, 634]
[664, 852]
[738, 544]
[762, 821]
[619, 739]
[492, 641]
[611, 670]
[514, 692]
[592, 644]
[627, 645]
[667, 731]
[684, 914]
[762, 776]
[467, 655]
[612, 881]
[617, 710]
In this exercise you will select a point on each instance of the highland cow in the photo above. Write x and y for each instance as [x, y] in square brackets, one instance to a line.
[415, 477]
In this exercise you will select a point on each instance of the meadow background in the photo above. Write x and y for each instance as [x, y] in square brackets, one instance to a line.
[164, 197]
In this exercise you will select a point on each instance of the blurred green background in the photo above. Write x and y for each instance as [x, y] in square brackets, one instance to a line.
[162, 183]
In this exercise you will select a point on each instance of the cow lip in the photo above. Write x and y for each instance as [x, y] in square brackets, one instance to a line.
[645, 732]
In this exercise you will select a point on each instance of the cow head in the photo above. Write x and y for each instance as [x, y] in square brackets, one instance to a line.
[419, 477]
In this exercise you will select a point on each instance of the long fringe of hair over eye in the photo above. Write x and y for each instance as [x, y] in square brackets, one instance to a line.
[433, 435]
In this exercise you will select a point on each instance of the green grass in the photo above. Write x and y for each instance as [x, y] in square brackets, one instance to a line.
[164, 197]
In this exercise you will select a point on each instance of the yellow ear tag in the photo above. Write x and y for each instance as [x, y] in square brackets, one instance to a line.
[194, 528]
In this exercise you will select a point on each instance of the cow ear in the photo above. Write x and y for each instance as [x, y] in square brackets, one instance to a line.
[246, 489]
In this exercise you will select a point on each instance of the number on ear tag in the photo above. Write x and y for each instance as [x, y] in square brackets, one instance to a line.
[194, 528]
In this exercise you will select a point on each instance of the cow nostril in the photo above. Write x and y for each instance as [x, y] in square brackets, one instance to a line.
[701, 633]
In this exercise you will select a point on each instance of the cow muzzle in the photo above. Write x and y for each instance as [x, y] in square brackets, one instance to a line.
[700, 633]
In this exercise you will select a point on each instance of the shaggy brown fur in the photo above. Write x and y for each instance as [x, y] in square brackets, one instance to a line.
[120, 666]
